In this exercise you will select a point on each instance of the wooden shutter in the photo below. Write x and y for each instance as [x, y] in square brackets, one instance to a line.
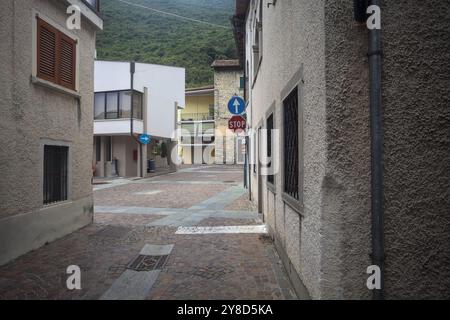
[46, 51]
[56, 56]
[67, 62]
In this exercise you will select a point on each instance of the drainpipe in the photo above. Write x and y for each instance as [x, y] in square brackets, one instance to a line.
[132, 71]
[376, 137]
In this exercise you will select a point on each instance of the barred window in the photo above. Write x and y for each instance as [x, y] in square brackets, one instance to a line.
[290, 142]
[270, 178]
[55, 173]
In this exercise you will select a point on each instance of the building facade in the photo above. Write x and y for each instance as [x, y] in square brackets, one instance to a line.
[197, 127]
[47, 76]
[132, 99]
[228, 82]
[307, 71]
[204, 135]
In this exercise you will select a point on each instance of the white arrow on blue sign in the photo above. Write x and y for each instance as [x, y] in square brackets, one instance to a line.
[144, 139]
[236, 105]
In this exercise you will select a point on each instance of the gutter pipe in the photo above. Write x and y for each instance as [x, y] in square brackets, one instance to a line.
[132, 71]
[376, 139]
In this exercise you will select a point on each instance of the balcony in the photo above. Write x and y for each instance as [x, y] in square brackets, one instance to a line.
[197, 129]
[117, 105]
[197, 117]
[113, 111]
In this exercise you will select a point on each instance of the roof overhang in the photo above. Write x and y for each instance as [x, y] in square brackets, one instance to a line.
[242, 7]
[238, 22]
[205, 91]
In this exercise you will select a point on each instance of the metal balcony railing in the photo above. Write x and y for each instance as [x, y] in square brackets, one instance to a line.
[197, 116]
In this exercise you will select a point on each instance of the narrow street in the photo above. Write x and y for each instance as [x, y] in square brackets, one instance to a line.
[188, 235]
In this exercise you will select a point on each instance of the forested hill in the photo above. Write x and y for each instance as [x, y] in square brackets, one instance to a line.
[134, 33]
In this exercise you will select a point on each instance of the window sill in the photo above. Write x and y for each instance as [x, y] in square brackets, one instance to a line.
[56, 204]
[47, 84]
[293, 203]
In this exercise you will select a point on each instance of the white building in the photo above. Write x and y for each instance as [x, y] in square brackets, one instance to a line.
[156, 93]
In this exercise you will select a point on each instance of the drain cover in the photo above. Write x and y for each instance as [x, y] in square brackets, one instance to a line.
[147, 263]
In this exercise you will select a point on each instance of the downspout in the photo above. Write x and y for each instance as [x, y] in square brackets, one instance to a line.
[376, 134]
[376, 139]
[132, 71]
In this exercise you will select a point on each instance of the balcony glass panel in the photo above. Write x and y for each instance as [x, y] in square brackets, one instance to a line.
[99, 106]
[125, 104]
[197, 116]
[206, 128]
[188, 129]
[117, 105]
[137, 105]
[112, 105]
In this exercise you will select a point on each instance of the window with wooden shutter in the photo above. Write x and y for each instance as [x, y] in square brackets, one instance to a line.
[46, 51]
[56, 55]
[67, 62]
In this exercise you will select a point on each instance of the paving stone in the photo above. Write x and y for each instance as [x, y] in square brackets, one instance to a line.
[207, 266]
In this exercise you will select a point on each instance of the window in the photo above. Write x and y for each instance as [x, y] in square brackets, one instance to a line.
[255, 156]
[94, 4]
[99, 105]
[242, 83]
[55, 173]
[112, 105]
[258, 40]
[125, 104]
[270, 178]
[56, 55]
[98, 149]
[290, 143]
[117, 105]
[137, 105]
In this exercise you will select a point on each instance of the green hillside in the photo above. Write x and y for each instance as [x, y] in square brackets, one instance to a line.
[132, 33]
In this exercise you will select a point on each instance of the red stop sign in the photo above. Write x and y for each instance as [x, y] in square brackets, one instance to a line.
[237, 123]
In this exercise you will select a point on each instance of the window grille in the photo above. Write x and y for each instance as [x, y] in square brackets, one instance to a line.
[290, 138]
[271, 177]
[55, 173]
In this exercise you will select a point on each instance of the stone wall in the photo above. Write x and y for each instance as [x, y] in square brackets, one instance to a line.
[226, 84]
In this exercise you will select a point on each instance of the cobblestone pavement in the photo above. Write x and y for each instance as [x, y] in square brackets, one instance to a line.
[136, 221]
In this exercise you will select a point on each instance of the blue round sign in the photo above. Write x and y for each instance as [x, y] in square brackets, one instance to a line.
[144, 139]
[236, 105]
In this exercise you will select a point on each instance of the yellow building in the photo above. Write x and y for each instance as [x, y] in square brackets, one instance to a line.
[197, 124]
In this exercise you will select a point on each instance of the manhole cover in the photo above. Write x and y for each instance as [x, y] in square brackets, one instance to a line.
[147, 263]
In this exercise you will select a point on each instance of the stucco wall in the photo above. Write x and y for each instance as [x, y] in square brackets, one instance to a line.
[345, 188]
[31, 113]
[416, 99]
[329, 243]
[287, 52]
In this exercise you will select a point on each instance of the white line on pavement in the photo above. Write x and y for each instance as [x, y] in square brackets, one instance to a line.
[222, 230]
